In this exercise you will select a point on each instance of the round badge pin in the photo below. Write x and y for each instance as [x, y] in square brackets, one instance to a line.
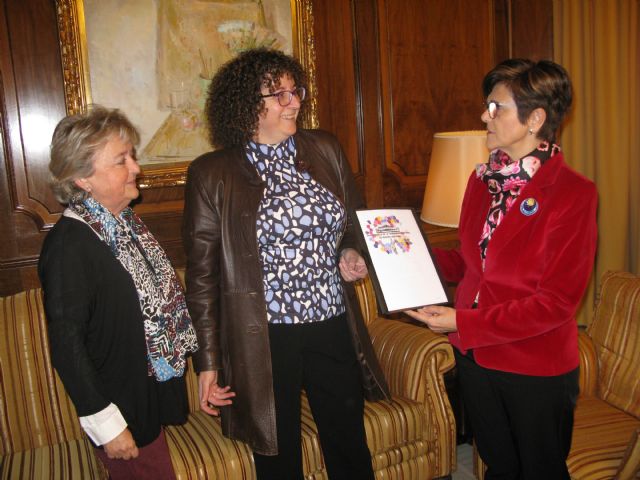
[529, 206]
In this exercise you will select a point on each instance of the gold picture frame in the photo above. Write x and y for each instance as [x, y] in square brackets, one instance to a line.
[75, 66]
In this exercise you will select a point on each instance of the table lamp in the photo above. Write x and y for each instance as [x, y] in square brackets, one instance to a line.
[453, 157]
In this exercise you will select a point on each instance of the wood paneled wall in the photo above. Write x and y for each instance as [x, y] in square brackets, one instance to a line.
[434, 55]
[389, 74]
[31, 103]
[417, 67]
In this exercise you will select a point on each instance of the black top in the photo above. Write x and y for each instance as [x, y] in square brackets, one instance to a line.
[96, 333]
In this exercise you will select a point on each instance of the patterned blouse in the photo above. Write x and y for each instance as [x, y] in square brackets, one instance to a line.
[299, 226]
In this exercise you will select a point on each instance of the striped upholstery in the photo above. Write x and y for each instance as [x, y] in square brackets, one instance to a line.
[312, 461]
[40, 433]
[200, 451]
[410, 437]
[616, 336]
[601, 435]
[414, 360]
[397, 438]
[191, 381]
[67, 460]
[607, 415]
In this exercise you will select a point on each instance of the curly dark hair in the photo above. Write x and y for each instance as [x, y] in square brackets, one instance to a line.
[543, 84]
[233, 99]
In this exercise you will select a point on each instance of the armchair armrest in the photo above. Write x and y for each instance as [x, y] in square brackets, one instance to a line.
[630, 464]
[367, 299]
[588, 365]
[414, 360]
[409, 354]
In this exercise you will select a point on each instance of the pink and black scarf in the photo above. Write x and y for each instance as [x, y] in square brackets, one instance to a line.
[505, 179]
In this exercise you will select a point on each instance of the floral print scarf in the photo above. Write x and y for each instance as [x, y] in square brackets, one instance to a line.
[168, 329]
[505, 179]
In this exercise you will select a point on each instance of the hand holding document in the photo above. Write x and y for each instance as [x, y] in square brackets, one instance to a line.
[352, 265]
[438, 318]
[404, 273]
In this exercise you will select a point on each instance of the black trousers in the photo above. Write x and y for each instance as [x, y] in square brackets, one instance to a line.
[320, 358]
[522, 424]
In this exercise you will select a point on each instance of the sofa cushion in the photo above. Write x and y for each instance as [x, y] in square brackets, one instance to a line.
[395, 435]
[600, 437]
[615, 331]
[67, 460]
[199, 450]
[34, 408]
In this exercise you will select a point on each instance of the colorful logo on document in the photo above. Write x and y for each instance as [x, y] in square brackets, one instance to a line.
[385, 234]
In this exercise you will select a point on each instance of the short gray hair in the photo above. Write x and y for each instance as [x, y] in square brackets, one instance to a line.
[75, 142]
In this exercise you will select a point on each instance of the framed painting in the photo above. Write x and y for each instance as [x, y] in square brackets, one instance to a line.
[154, 59]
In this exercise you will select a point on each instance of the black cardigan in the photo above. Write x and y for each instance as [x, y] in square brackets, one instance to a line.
[96, 333]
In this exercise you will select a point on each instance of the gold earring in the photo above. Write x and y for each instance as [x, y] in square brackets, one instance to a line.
[531, 131]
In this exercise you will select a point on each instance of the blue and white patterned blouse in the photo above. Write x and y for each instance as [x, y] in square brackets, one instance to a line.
[299, 226]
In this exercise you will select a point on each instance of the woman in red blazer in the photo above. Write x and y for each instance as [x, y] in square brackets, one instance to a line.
[527, 245]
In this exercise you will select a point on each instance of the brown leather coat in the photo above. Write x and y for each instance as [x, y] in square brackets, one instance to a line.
[224, 280]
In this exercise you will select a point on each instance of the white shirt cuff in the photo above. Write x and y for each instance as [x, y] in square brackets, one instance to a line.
[104, 426]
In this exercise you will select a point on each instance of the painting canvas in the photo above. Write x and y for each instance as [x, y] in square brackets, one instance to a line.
[154, 60]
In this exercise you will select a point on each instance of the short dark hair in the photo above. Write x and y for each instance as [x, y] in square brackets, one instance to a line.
[543, 84]
[233, 99]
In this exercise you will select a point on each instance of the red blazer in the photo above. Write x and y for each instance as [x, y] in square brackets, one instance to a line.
[537, 268]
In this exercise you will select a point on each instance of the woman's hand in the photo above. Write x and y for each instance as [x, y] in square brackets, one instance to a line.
[437, 318]
[211, 394]
[352, 265]
[122, 447]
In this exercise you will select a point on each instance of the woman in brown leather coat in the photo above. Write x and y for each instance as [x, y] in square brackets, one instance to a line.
[271, 249]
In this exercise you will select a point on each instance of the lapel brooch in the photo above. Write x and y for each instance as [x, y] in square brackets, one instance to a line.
[529, 206]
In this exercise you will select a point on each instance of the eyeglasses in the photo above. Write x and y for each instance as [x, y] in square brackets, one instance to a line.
[492, 107]
[285, 97]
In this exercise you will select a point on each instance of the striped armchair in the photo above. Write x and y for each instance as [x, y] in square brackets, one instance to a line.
[606, 428]
[411, 437]
[607, 419]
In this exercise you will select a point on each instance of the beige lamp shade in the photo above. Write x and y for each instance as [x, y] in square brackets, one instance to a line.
[453, 157]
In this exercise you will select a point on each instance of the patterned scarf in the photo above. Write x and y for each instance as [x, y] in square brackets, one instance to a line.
[505, 179]
[167, 325]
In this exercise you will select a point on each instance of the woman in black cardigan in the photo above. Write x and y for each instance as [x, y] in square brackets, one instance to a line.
[118, 324]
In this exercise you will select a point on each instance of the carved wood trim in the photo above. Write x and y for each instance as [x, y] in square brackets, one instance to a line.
[25, 196]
